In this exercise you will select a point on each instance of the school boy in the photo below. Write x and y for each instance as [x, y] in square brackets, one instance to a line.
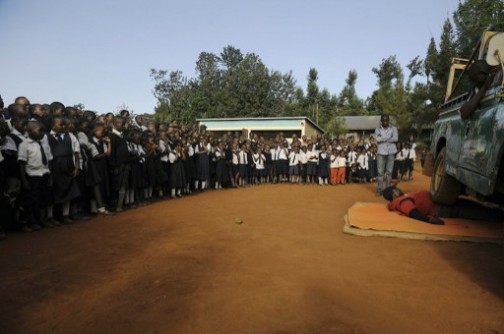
[35, 175]
[334, 167]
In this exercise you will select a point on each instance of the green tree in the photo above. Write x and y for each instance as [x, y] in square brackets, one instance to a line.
[312, 93]
[348, 103]
[471, 18]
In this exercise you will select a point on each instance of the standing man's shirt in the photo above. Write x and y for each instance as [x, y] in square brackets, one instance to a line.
[386, 139]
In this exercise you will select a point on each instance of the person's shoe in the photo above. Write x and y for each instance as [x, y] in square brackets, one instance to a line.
[3, 235]
[105, 212]
[36, 227]
[46, 224]
[53, 221]
[26, 229]
[80, 217]
[119, 209]
[379, 194]
[66, 220]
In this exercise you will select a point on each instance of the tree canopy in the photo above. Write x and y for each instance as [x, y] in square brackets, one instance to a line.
[233, 84]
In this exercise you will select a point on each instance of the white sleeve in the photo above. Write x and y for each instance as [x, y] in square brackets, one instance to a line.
[75, 143]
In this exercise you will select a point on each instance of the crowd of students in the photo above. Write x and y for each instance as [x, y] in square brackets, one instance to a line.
[59, 164]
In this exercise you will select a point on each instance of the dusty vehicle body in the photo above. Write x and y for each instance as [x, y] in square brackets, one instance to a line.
[467, 154]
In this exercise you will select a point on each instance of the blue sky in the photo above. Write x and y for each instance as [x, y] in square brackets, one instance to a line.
[99, 52]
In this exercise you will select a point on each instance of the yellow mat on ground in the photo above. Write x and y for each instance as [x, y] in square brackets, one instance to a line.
[370, 219]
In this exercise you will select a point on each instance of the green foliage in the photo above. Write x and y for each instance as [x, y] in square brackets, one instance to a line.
[471, 18]
[349, 104]
[233, 84]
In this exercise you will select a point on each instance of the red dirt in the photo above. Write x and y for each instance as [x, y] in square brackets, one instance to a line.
[185, 266]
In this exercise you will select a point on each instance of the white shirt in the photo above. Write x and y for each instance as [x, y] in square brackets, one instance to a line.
[173, 156]
[401, 155]
[30, 152]
[302, 157]
[10, 144]
[243, 158]
[282, 154]
[412, 154]
[340, 162]
[235, 158]
[293, 159]
[94, 150]
[362, 161]
[273, 154]
[164, 151]
[312, 156]
[352, 158]
[259, 162]
[334, 158]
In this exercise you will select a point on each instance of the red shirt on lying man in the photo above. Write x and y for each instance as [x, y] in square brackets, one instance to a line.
[419, 205]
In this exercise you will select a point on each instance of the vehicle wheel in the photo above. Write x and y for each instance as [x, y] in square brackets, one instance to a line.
[444, 188]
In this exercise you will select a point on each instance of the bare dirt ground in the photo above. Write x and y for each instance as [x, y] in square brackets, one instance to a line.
[185, 266]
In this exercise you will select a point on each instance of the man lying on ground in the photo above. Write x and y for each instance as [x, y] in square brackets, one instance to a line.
[419, 205]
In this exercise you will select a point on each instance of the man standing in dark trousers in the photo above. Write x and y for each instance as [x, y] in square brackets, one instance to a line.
[119, 161]
[386, 137]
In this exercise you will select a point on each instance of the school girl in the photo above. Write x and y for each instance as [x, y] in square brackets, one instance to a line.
[324, 163]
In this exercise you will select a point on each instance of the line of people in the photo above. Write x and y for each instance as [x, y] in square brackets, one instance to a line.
[61, 164]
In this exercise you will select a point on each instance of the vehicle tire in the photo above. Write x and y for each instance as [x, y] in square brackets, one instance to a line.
[444, 188]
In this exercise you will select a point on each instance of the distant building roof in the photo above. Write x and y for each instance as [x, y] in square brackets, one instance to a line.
[254, 121]
[361, 122]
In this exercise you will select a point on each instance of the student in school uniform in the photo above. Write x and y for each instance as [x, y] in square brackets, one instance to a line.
[65, 149]
[202, 152]
[151, 158]
[323, 170]
[235, 164]
[294, 162]
[177, 182]
[362, 164]
[137, 183]
[8, 213]
[311, 168]
[341, 167]
[282, 162]
[259, 161]
[243, 164]
[400, 157]
[303, 163]
[100, 150]
[188, 163]
[410, 161]
[268, 163]
[351, 162]
[333, 166]
[163, 165]
[35, 175]
[273, 172]
[373, 164]
[119, 162]
[220, 164]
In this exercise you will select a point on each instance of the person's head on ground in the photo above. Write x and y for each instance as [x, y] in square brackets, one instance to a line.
[391, 193]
